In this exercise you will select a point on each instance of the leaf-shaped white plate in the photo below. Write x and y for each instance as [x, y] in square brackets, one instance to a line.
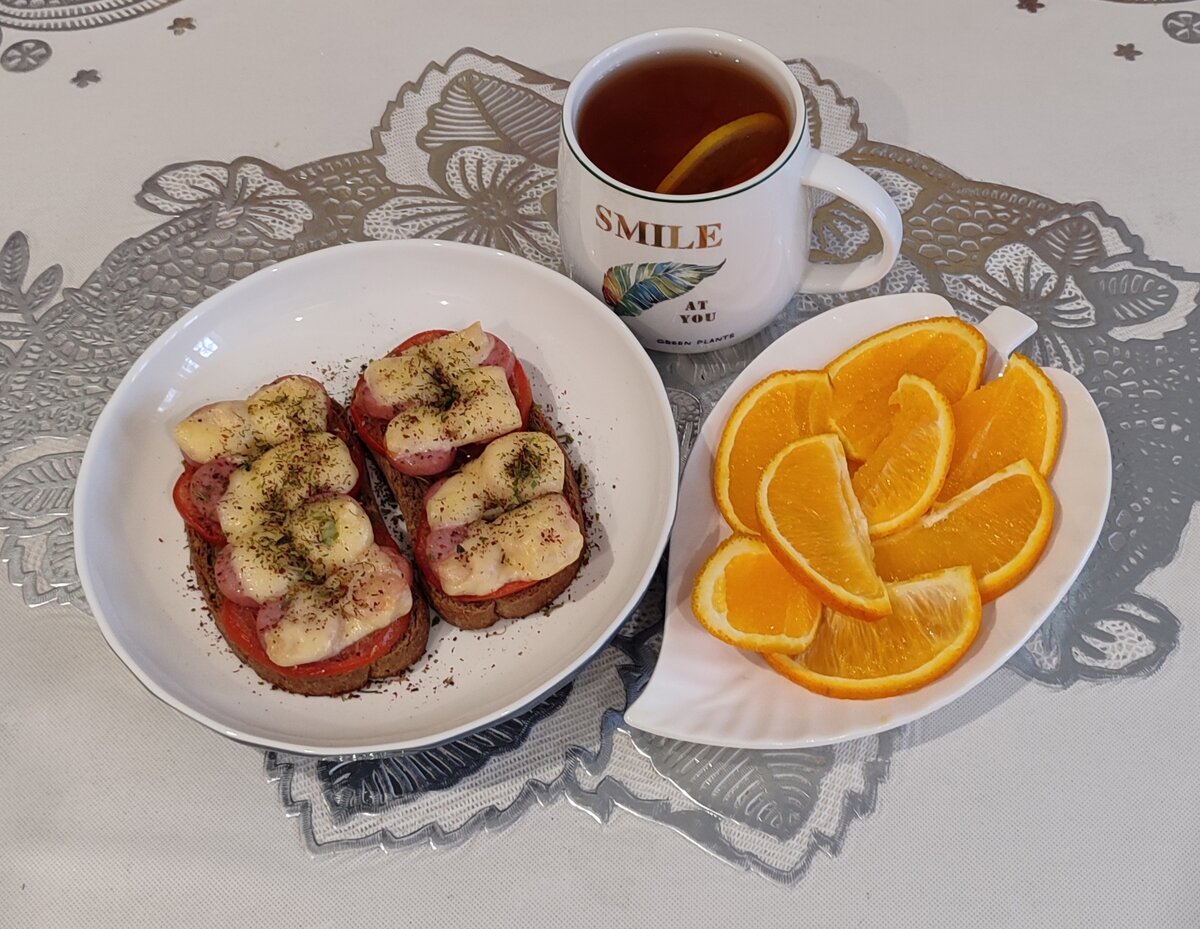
[703, 690]
[325, 314]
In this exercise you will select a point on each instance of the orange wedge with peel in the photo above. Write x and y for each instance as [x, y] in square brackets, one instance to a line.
[728, 155]
[1018, 415]
[779, 409]
[999, 527]
[943, 349]
[812, 522]
[903, 476]
[745, 597]
[933, 622]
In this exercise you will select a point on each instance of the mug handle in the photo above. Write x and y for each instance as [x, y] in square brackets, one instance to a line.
[831, 174]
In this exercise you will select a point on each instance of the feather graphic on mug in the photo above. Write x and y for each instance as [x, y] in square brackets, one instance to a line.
[633, 288]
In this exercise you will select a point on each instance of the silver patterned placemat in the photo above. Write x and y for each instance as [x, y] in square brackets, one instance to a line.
[467, 152]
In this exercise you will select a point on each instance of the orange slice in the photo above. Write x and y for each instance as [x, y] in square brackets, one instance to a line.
[933, 622]
[1018, 415]
[745, 597]
[943, 350]
[814, 525]
[728, 155]
[999, 527]
[902, 477]
[786, 406]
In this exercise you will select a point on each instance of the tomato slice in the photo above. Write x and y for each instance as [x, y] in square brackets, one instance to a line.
[207, 527]
[373, 430]
[420, 553]
[240, 624]
[509, 588]
[369, 428]
[522, 391]
[419, 339]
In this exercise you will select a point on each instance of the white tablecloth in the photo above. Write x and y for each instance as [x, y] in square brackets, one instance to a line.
[1019, 805]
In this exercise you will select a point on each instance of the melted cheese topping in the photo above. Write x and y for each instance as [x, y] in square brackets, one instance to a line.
[443, 398]
[331, 533]
[528, 543]
[278, 481]
[290, 407]
[319, 620]
[482, 409]
[219, 430]
[422, 372]
[513, 469]
[271, 416]
[266, 564]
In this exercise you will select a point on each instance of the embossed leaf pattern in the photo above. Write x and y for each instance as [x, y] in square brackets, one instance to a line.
[14, 262]
[370, 785]
[688, 412]
[15, 330]
[1072, 241]
[366, 786]
[1131, 637]
[36, 486]
[774, 791]
[73, 14]
[42, 487]
[60, 568]
[44, 287]
[480, 109]
[42, 563]
[841, 232]
[1130, 295]
[632, 289]
[183, 187]
[23, 310]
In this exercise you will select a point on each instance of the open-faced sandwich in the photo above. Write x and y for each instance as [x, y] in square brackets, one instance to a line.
[490, 500]
[288, 547]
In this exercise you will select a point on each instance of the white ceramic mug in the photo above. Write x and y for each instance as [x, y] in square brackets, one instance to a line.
[716, 267]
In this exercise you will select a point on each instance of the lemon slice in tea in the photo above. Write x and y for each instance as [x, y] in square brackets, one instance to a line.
[728, 155]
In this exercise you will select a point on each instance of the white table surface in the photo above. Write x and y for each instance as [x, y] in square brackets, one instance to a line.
[1019, 806]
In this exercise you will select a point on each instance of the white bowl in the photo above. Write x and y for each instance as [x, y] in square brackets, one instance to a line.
[325, 315]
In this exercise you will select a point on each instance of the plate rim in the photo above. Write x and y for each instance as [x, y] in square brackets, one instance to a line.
[82, 529]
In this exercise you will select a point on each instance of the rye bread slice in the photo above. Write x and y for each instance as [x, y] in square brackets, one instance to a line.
[406, 651]
[410, 495]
